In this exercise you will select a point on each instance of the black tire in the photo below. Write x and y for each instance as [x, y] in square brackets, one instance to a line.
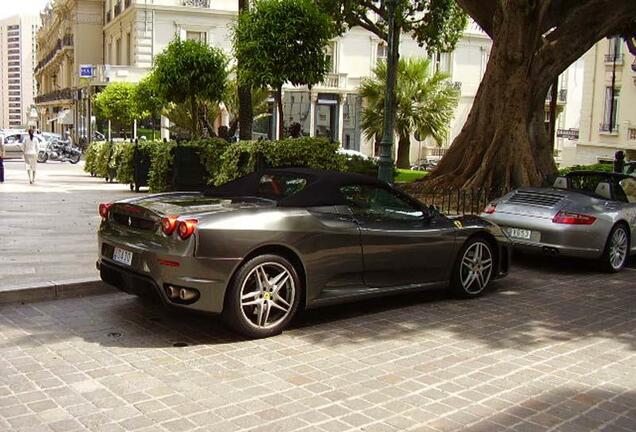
[75, 159]
[132, 187]
[608, 263]
[42, 157]
[464, 285]
[235, 314]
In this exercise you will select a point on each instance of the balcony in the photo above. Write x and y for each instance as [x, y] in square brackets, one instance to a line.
[334, 81]
[614, 59]
[605, 128]
[65, 42]
[57, 95]
[196, 3]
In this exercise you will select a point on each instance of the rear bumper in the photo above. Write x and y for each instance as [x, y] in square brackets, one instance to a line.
[581, 241]
[151, 273]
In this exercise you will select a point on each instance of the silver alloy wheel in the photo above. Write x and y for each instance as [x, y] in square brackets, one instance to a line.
[267, 295]
[476, 268]
[618, 248]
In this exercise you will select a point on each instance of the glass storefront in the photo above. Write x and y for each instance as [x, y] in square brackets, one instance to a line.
[296, 106]
[351, 122]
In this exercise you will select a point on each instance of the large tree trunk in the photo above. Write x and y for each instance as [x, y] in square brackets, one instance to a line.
[404, 152]
[504, 141]
[246, 111]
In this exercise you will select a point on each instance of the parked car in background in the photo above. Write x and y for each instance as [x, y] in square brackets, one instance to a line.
[258, 249]
[349, 153]
[13, 144]
[586, 214]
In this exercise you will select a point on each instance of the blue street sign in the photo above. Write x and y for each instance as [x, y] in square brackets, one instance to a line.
[86, 71]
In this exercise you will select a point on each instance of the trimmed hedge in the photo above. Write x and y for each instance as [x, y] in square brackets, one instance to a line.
[604, 167]
[222, 161]
[242, 158]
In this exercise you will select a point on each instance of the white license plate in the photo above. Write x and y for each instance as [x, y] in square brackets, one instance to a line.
[122, 256]
[520, 233]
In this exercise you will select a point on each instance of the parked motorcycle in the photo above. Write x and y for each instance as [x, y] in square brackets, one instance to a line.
[61, 151]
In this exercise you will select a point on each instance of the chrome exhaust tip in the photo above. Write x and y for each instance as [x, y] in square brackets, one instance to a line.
[172, 292]
[186, 294]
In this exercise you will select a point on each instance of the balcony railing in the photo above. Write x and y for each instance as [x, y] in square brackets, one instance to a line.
[196, 3]
[63, 94]
[614, 58]
[335, 80]
[65, 42]
[607, 128]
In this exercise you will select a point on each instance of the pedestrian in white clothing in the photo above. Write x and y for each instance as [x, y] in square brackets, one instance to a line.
[30, 150]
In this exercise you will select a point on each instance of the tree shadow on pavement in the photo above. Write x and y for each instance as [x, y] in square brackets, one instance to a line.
[561, 409]
[543, 300]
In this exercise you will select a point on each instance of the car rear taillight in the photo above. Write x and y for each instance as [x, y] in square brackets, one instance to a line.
[169, 224]
[103, 210]
[186, 228]
[568, 218]
[490, 208]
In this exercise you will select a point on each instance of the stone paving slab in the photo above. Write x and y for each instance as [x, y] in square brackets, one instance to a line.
[48, 232]
[551, 348]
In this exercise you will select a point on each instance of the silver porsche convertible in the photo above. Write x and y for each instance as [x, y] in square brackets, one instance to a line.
[258, 249]
[586, 214]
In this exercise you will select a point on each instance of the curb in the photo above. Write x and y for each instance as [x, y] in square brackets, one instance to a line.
[53, 290]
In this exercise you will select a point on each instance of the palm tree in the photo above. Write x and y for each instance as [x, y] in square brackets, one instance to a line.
[425, 104]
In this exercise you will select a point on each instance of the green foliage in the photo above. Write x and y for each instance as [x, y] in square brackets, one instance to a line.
[117, 103]
[146, 97]
[425, 103]
[160, 166]
[604, 167]
[281, 41]
[241, 158]
[190, 72]
[102, 159]
[124, 163]
[211, 151]
[435, 24]
[360, 165]
[90, 165]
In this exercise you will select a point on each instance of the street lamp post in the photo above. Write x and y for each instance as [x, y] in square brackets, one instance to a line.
[385, 171]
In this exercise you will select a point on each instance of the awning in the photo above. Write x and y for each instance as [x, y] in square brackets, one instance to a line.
[64, 117]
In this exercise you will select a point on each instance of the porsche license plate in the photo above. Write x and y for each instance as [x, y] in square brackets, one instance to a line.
[122, 256]
[520, 233]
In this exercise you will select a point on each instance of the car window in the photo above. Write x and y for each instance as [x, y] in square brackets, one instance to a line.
[628, 187]
[379, 202]
[630, 169]
[280, 185]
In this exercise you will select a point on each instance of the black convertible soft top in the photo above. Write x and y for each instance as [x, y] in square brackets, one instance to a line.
[322, 187]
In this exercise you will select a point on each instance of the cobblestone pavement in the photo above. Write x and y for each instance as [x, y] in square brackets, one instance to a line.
[545, 350]
[48, 231]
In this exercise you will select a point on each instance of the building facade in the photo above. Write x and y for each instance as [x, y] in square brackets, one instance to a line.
[608, 108]
[17, 59]
[70, 36]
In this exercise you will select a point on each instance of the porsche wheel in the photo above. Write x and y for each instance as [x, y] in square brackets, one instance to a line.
[263, 297]
[474, 269]
[616, 249]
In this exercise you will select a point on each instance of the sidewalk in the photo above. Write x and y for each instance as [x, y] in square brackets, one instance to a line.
[48, 230]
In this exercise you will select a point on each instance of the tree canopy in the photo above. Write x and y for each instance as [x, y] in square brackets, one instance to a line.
[117, 103]
[425, 103]
[193, 73]
[434, 24]
[282, 41]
